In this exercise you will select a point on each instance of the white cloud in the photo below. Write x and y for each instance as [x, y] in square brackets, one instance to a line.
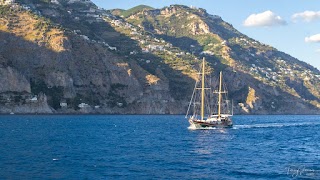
[318, 50]
[307, 16]
[314, 38]
[264, 19]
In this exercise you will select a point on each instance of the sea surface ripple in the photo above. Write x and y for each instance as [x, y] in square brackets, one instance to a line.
[158, 147]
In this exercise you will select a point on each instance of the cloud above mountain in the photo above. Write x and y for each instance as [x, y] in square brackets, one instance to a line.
[264, 19]
[306, 16]
[314, 38]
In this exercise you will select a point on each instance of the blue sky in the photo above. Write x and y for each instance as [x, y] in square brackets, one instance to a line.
[291, 26]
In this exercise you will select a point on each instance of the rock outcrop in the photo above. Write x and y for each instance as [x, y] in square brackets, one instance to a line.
[12, 81]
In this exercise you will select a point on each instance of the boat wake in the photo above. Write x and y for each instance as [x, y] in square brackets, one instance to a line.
[193, 127]
[275, 125]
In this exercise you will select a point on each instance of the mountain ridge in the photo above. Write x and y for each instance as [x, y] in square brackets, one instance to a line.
[83, 59]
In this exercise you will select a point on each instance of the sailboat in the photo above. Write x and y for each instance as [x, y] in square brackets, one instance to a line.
[207, 113]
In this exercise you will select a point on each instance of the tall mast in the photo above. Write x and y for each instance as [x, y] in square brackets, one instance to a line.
[219, 100]
[202, 90]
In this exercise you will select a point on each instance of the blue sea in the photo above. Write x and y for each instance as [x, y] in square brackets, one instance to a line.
[157, 147]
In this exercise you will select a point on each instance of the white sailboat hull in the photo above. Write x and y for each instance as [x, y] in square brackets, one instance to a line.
[222, 122]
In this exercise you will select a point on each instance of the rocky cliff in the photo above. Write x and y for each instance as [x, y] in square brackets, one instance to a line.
[73, 57]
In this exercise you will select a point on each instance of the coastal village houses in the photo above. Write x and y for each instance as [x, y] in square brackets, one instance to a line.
[7, 2]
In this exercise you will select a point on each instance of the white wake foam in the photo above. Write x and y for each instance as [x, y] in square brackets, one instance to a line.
[193, 127]
[275, 125]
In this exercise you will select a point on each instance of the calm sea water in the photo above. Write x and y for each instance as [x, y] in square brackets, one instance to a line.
[158, 147]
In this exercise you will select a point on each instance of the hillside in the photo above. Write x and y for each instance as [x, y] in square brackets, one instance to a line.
[73, 57]
[277, 79]
[134, 10]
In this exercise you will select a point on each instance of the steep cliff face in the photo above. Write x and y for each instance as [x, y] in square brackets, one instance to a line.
[72, 57]
[76, 74]
[12, 81]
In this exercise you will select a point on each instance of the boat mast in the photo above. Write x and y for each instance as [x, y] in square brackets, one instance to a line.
[232, 108]
[219, 100]
[202, 90]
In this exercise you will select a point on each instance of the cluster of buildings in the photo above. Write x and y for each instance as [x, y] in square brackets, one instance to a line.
[148, 43]
[283, 70]
[7, 2]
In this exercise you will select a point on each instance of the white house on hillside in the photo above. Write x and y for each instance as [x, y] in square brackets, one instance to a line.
[55, 1]
[7, 2]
